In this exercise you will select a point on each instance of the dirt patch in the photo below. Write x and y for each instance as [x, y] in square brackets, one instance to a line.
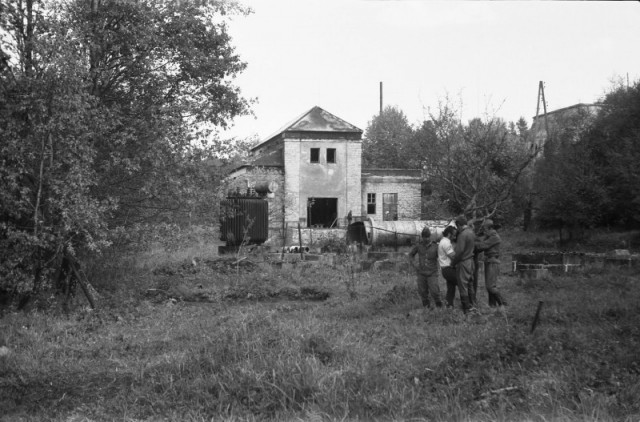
[263, 293]
[196, 266]
[231, 265]
[394, 296]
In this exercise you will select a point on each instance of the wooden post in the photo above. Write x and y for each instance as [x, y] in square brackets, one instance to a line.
[536, 318]
[300, 243]
[284, 239]
[84, 284]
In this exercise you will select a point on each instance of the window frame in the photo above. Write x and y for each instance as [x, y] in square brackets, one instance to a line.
[333, 160]
[371, 202]
[317, 151]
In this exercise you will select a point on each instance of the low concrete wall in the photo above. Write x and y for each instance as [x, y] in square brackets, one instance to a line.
[536, 265]
[311, 237]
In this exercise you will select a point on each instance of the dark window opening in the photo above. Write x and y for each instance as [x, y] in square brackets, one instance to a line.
[331, 155]
[390, 206]
[356, 232]
[322, 212]
[371, 203]
[315, 155]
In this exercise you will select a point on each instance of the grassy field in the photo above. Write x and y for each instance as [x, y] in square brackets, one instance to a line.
[221, 340]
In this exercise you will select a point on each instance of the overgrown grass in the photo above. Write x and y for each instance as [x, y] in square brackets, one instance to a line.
[244, 342]
[597, 240]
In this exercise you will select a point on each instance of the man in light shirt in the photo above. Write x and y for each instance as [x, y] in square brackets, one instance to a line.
[445, 253]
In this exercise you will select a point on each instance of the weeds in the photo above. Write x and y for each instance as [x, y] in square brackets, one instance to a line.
[314, 342]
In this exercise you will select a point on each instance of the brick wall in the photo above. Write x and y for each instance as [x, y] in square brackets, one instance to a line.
[354, 178]
[406, 184]
[292, 179]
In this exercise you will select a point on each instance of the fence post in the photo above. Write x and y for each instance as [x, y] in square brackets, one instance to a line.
[300, 243]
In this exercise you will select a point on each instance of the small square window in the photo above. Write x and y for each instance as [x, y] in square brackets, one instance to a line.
[315, 155]
[331, 155]
[371, 203]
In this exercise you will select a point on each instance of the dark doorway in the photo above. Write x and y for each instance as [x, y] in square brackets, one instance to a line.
[322, 212]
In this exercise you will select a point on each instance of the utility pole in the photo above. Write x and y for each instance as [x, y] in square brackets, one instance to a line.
[544, 106]
[380, 97]
[528, 212]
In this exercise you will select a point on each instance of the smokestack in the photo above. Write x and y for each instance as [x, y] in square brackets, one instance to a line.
[380, 97]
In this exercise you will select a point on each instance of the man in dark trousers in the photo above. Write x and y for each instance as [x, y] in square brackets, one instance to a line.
[445, 253]
[489, 243]
[426, 268]
[463, 261]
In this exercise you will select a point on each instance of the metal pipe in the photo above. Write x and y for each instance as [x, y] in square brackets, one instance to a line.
[393, 233]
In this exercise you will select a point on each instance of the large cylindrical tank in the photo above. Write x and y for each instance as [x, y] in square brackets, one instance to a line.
[265, 187]
[244, 219]
[393, 233]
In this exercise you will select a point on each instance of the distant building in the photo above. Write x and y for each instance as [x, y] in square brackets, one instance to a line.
[560, 123]
[558, 120]
[391, 194]
[314, 165]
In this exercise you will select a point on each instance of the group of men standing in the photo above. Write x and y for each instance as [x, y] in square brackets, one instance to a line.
[457, 256]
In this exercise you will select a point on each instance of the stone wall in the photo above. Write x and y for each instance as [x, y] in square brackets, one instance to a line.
[354, 179]
[405, 183]
[292, 179]
[313, 238]
[304, 180]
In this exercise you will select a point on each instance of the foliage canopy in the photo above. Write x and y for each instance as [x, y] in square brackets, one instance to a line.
[472, 168]
[588, 175]
[106, 109]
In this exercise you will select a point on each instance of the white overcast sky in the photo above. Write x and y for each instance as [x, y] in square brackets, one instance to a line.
[489, 55]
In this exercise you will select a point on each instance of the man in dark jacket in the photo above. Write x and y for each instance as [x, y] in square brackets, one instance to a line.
[489, 244]
[426, 269]
[463, 261]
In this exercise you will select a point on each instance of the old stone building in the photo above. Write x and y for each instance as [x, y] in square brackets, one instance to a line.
[313, 166]
[391, 194]
[549, 126]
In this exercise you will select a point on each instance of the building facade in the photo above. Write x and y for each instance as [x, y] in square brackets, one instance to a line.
[391, 194]
[546, 127]
[314, 165]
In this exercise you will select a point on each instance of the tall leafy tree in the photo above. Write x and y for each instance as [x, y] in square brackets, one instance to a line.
[570, 194]
[386, 140]
[588, 175]
[522, 128]
[473, 167]
[614, 142]
[105, 109]
[165, 74]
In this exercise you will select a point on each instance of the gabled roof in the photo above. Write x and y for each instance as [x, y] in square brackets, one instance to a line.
[270, 159]
[581, 106]
[315, 120]
[273, 158]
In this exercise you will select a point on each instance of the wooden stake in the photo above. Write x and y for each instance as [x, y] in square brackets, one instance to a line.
[300, 243]
[537, 317]
[84, 284]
